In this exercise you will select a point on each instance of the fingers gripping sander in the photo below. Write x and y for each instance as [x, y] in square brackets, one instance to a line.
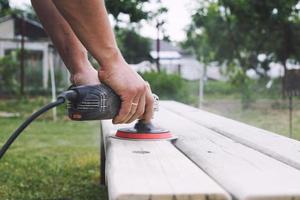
[98, 102]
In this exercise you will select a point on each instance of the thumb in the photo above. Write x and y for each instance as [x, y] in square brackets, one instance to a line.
[101, 74]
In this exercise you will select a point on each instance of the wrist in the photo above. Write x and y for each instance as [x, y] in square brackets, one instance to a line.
[111, 58]
[83, 69]
[87, 75]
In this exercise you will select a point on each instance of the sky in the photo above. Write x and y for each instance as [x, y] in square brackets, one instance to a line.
[177, 18]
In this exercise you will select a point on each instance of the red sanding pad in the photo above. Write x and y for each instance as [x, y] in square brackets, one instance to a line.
[125, 133]
[144, 131]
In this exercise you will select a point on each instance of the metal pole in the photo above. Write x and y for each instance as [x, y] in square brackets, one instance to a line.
[179, 69]
[201, 86]
[291, 116]
[53, 86]
[22, 56]
[157, 47]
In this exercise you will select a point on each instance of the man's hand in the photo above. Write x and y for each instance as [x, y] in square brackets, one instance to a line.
[135, 93]
[86, 75]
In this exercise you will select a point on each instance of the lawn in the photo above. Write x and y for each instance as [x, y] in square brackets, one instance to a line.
[267, 111]
[50, 160]
[268, 114]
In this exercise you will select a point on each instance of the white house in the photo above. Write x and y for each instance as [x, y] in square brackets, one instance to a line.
[36, 42]
[175, 60]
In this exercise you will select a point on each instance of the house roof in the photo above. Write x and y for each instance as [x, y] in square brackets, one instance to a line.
[5, 18]
[168, 55]
[164, 46]
[167, 50]
[33, 29]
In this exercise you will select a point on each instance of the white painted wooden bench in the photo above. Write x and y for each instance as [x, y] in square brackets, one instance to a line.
[213, 158]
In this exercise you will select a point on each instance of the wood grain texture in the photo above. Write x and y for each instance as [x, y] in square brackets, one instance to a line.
[154, 170]
[242, 171]
[279, 147]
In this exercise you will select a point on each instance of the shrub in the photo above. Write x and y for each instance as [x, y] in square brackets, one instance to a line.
[169, 86]
[8, 71]
[133, 46]
[245, 85]
[219, 87]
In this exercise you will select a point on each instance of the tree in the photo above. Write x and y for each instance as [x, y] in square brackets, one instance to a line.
[134, 8]
[8, 69]
[235, 33]
[4, 8]
[134, 47]
[29, 12]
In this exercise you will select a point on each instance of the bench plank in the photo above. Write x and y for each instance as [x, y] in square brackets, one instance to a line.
[139, 170]
[279, 147]
[242, 171]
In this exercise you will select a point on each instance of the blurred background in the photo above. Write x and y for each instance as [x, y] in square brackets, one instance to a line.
[239, 59]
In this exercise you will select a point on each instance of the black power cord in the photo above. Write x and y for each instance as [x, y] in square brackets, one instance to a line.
[70, 95]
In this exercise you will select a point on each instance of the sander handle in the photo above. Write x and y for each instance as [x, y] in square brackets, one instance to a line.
[96, 102]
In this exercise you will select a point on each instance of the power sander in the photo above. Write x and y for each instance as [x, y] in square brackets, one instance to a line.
[95, 102]
[101, 102]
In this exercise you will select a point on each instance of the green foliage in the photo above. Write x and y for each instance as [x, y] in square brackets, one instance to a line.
[236, 32]
[4, 8]
[245, 86]
[8, 70]
[219, 88]
[30, 13]
[134, 47]
[170, 86]
[134, 8]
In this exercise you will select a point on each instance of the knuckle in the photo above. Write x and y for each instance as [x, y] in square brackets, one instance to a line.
[131, 112]
[147, 87]
[140, 111]
[150, 100]
[149, 91]
[132, 91]
[147, 84]
[148, 114]
[124, 112]
[140, 88]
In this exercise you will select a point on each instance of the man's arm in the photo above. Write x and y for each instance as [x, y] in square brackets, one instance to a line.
[90, 23]
[72, 52]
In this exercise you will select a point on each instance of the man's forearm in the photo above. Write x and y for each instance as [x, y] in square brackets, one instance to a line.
[69, 47]
[89, 21]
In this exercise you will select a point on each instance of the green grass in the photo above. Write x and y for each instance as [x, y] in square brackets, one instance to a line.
[50, 160]
[268, 114]
[267, 110]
